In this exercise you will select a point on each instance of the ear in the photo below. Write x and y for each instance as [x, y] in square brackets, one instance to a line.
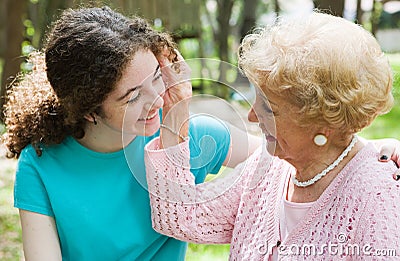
[327, 132]
[90, 117]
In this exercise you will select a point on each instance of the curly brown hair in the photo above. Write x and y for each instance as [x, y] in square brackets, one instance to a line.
[84, 57]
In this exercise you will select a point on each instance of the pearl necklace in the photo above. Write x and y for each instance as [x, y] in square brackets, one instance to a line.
[329, 168]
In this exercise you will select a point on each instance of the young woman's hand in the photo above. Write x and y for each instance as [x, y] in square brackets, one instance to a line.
[390, 150]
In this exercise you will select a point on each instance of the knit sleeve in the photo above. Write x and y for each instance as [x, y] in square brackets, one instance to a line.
[203, 213]
[380, 223]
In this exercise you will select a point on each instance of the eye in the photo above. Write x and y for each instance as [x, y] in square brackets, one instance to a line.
[267, 108]
[134, 98]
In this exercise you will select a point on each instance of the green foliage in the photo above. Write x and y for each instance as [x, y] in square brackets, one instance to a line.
[198, 252]
[387, 125]
[189, 48]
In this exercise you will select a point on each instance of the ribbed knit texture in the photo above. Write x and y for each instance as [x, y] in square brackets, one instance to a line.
[359, 210]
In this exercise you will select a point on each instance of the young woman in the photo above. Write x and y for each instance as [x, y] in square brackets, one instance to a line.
[79, 123]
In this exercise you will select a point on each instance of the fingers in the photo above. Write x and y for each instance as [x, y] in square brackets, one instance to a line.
[167, 56]
[166, 52]
[164, 58]
[176, 73]
[390, 152]
[179, 55]
[386, 152]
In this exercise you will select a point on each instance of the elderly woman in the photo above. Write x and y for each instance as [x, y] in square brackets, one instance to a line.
[322, 195]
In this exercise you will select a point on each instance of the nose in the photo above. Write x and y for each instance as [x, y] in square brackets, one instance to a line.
[154, 101]
[251, 116]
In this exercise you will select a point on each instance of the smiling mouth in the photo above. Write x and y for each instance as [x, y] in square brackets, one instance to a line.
[150, 117]
[268, 136]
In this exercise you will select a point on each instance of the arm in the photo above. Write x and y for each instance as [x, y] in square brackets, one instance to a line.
[202, 214]
[39, 236]
[176, 76]
[239, 140]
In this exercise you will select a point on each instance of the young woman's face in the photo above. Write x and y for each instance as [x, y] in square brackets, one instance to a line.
[132, 108]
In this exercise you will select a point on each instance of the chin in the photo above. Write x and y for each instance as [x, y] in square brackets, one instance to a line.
[271, 148]
[150, 131]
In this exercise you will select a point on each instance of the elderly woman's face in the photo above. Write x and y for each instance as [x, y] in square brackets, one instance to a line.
[276, 118]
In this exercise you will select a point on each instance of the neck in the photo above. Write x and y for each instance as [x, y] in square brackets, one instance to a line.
[100, 140]
[312, 167]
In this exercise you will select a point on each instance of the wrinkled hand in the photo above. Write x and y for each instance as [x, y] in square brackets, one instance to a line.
[176, 77]
[390, 150]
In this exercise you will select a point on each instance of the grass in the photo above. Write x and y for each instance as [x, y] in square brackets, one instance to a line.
[10, 229]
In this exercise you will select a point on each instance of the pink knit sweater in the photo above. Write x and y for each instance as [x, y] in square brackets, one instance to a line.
[356, 218]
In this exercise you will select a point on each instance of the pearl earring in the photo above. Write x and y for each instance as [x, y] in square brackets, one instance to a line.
[320, 139]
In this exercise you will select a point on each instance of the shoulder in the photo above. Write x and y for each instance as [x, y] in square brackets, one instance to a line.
[203, 122]
[366, 177]
[30, 153]
[366, 168]
[208, 131]
[374, 188]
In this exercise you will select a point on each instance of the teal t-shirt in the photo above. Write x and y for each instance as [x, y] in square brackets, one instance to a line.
[99, 200]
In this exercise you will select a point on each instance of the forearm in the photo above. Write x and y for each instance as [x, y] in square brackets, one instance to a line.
[175, 128]
[175, 118]
[242, 146]
[202, 214]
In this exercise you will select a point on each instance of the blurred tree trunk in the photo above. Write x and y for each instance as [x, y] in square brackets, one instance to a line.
[359, 13]
[224, 28]
[375, 15]
[224, 11]
[277, 7]
[42, 15]
[3, 23]
[336, 7]
[14, 29]
[249, 17]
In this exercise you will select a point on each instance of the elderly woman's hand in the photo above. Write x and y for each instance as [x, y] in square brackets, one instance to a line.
[176, 78]
[390, 150]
